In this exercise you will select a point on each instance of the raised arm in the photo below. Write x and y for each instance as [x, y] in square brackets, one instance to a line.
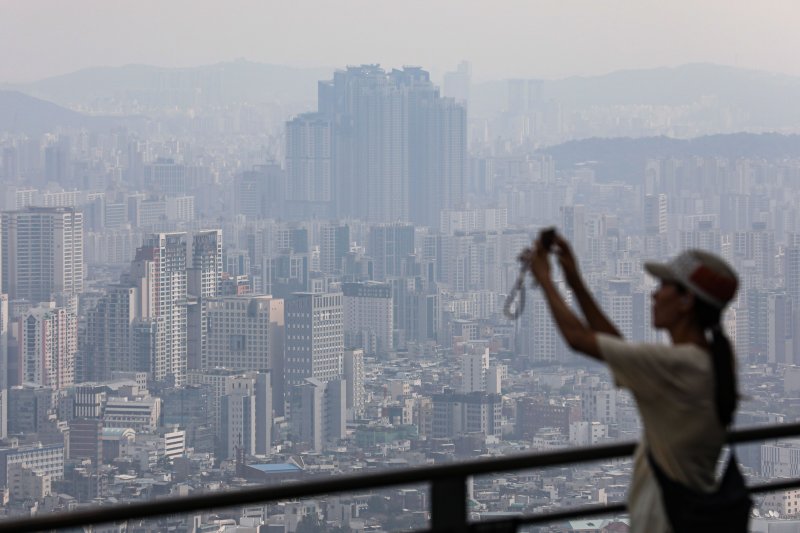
[597, 320]
[578, 335]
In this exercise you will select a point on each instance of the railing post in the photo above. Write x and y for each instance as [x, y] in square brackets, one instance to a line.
[449, 505]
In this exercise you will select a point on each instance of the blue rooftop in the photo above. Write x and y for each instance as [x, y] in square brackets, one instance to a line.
[277, 468]
[115, 432]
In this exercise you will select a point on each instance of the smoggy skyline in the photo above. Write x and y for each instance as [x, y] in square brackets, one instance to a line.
[546, 39]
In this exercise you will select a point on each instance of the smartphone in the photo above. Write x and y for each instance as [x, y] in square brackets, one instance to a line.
[547, 238]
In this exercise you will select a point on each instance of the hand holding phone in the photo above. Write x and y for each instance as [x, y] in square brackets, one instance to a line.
[547, 237]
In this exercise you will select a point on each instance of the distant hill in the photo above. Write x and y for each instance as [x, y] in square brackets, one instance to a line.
[759, 100]
[624, 159]
[764, 99]
[234, 81]
[20, 113]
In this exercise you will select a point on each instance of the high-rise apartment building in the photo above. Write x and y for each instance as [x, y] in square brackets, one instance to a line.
[318, 412]
[474, 368]
[334, 245]
[167, 177]
[48, 342]
[368, 317]
[791, 271]
[314, 337]
[755, 249]
[244, 333]
[378, 140]
[354, 376]
[524, 96]
[309, 166]
[107, 345]
[259, 193]
[203, 280]
[459, 414]
[160, 269]
[768, 328]
[599, 403]
[704, 235]
[573, 226]
[618, 301]
[457, 83]
[42, 253]
[246, 416]
[3, 366]
[390, 246]
[655, 214]
[205, 273]
[538, 336]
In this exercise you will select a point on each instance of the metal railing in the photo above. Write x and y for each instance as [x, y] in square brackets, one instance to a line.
[448, 490]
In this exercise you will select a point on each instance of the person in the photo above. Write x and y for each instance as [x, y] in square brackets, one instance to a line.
[685, 391]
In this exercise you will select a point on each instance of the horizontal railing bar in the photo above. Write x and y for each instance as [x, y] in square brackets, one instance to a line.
[775, 486]
[308, 489]
[485, 526]
[353, 483]
[571, 513]
[776, 431]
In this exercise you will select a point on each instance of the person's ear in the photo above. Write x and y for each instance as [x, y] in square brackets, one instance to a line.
[687, 300]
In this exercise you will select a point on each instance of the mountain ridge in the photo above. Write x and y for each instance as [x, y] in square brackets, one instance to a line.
[623, 158]
[233, 80]
[22, 113]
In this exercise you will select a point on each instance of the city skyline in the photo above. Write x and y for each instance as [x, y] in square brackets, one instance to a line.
[213, 278]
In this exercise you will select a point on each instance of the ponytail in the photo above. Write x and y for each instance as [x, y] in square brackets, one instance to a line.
[724, 375]
[725, 395]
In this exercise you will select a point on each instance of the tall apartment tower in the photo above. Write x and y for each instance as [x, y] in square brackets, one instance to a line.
[368, 317]
[474, 369]
[259, 193]
[246, 415]
[703, 235]
[318, 412]
[160, 268]
[390, 245]
[334, 245]
[48, 342]
[573, 224]
[538, 336]
[167, 177]
[457, 83]
[618, 300]
[791, 271]
[203, 281]
[354, 377]
[314, 337]
[392, 138]
[42, 253]
[107, 345]
[3, 348]
[3, 366]
[437, 155]
[241, 331]
[655, 214]
[206, 269]
[370, 143]
[309, 185]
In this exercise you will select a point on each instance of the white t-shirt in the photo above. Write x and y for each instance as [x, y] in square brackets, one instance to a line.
[674, 391]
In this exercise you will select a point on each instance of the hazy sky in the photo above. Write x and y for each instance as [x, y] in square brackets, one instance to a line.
[502, 38]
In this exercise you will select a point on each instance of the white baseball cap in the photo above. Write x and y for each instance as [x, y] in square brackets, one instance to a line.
[706, 275]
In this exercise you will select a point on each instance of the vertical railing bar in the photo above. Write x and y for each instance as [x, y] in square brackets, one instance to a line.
[449, 505]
